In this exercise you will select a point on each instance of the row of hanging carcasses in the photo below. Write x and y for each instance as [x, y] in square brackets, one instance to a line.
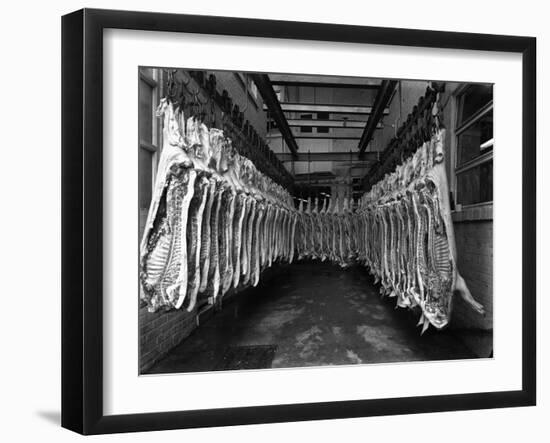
[407, 236]
[406, 246]
[215, 222]
[327, 232]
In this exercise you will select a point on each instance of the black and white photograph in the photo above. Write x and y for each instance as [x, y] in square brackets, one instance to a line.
[293, 220]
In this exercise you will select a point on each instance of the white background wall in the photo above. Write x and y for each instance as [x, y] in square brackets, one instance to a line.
[30, 247]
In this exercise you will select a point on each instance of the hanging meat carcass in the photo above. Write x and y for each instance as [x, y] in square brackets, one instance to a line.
[214, 223]
[163, 251]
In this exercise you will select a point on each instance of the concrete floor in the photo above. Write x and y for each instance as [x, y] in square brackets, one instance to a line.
[315, 314]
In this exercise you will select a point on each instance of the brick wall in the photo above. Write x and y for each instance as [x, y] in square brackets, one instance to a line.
[161, 331]
[474, 241]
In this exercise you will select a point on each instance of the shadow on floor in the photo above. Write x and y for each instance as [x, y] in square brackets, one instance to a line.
[53, 417]
[315, 314]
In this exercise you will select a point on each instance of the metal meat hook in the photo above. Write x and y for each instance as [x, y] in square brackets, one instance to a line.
[171, 86]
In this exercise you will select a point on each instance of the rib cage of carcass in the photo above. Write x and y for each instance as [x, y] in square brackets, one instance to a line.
[407, 236]
[215, 222]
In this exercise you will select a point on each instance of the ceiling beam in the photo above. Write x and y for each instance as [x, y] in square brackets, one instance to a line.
[330, 108]
[327, 157]
[324, 182]
[325, 85]
[317, 183]
[344, 124]
[324, 81]
[270, 99]
[316, 136]
[381, 102]
[326, 137]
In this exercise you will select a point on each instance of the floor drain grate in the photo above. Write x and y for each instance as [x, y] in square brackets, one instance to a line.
[247, 357]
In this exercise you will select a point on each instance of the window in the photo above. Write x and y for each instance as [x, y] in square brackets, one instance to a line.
[323, 116]
[149, 139]
[474, 145]
[471, 100]
[306, 117]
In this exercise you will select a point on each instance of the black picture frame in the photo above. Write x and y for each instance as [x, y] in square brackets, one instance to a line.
[82, 220]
